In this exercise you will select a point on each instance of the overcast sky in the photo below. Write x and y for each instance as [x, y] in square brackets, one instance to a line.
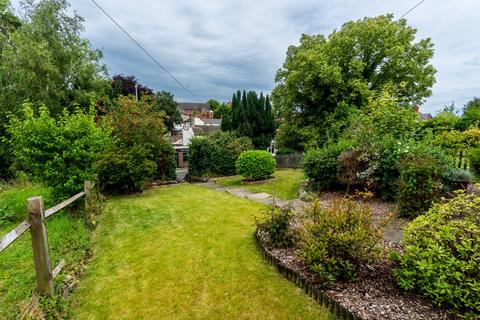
[215, 47]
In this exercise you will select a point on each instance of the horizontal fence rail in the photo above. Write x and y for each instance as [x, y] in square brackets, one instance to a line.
[36, 223]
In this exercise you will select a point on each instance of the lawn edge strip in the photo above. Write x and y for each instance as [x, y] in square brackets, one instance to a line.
[338, 311]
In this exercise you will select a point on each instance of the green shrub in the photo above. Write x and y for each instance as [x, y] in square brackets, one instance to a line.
[59, 152]
[255, 164]
[442, 254]
[337, 240]
[475, 161]
[320, 165]
[216, 154]
[277, 225]
[164, 157]
[122, 170]
[139, 123]
[422, 170]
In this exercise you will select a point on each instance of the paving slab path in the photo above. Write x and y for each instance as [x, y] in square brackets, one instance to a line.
[393, 231]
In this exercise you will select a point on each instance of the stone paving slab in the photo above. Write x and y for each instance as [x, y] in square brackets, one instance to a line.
[393, 231]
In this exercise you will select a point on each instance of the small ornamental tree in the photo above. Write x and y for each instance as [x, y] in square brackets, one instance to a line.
[255, 164]
[58, 152]
[140, 123]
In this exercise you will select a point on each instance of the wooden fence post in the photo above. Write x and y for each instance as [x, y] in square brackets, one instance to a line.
[41, 255]
[87, 186]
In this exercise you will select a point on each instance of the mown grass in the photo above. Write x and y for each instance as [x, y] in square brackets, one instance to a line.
[68, 239]
[184, 252]
[285, 183]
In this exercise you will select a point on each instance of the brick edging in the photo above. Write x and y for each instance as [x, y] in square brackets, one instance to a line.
[339, 311]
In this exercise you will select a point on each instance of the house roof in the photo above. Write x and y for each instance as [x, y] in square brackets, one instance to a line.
[193, 106]
[212, 122]
[425, 116]
[204, 130]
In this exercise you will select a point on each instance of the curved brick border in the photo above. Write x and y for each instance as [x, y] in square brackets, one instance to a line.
[333, 306]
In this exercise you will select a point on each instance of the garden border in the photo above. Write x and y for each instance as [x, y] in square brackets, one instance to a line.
[338, 311]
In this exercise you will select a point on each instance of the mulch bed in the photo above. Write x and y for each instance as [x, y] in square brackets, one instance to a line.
[374, 295]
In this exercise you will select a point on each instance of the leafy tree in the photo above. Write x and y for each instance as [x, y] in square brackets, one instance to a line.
[220, 110]
[323, 79]
[125, 85]
[214, 104]
[251, 116]
[46, 61]
[471, 114]
[138, 123]
[164, 101]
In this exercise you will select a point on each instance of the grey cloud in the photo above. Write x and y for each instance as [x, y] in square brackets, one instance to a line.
[216, 47]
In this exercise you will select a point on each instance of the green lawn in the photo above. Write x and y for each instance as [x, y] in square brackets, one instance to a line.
[286, 183]
[68, 239]
[184, 252]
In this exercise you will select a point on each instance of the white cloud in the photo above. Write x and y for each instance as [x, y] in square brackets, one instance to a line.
[216, 47]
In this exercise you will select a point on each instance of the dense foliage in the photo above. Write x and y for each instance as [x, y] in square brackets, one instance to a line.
[277, 224]
[59, 152]
[129, 85]
[45, 60]
[320, 165]
[139, 129]
[255, 164]
[422, 171]
[380, 133]
[442, 254]
[475, 161]
[165, 102]
[251, 116]
[216, 154]
[124, 170]
[324, 79]
[337, 240]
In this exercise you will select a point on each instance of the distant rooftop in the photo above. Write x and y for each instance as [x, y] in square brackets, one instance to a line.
[425, 116]
[193, 106]
[204, 130]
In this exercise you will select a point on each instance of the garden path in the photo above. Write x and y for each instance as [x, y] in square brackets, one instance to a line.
[393, 231]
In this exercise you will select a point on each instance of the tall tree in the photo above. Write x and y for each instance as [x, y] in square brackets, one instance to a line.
[164, 101]
[125, 85]
[323, 79]
[46, 61]
[251, 116]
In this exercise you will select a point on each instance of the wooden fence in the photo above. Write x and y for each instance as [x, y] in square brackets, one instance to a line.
[289, 160]
[36, 223]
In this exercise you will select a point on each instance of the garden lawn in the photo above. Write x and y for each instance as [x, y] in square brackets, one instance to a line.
[68, 239]
[184, 252]
[286, 183]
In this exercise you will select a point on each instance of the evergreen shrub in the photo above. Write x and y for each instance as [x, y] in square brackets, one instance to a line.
[255, 164]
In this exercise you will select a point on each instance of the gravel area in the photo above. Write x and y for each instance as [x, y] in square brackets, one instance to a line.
[374, 295]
